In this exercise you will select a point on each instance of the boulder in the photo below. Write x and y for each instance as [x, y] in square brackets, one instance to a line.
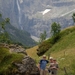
[27, 67]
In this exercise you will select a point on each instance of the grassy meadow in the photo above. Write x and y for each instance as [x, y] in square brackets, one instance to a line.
[63, 50]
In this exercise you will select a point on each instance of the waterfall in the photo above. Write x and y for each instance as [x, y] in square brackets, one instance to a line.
[19, 10]
[18, 5]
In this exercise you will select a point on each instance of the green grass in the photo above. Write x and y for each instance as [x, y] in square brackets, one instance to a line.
[66, 42]
[63, 50]
[32, 52]
[3, 53]
[7, 58]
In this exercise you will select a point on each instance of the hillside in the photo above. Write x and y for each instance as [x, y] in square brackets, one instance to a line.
[63, 51]
[16, 35]
[20, 36]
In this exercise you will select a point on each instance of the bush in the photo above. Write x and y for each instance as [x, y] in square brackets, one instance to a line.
[43, 47]
[54, 39]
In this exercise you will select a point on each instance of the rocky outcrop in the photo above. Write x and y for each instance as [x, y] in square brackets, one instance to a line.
[17, 49]
[27, 67]
[14, 48]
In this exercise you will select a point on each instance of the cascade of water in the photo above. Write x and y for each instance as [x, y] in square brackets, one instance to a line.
[19, 14]
[19, 11]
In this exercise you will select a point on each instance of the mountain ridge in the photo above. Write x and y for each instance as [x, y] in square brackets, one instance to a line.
[24, 14]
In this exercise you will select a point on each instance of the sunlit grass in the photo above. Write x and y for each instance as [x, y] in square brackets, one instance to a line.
[32, 52]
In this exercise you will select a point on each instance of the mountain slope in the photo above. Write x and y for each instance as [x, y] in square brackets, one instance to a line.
[63, 51]
[18, 36]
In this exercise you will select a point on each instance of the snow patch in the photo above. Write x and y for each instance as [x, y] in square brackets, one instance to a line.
[45, 11]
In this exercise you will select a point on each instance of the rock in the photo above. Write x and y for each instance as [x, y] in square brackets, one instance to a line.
[17, 49]
[4, 45]
[27, 67]
[14, 48]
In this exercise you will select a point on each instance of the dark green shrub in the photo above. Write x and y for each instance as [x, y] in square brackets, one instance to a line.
[43, 47]
[54, 39]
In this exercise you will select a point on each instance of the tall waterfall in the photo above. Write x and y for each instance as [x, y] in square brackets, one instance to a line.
[19, 10]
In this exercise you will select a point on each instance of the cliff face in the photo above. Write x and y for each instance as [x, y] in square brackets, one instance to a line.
[36, 16]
